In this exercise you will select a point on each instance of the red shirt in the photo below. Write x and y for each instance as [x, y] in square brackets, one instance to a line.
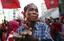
[58, 27]
[52, 29]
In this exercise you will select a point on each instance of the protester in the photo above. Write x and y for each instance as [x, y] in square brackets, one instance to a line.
[62, 28]
[2, 30]
[39, 30]
[57, 27]
[12, 26]
[19, 21]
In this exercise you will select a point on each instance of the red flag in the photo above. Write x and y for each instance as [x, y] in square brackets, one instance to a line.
[51, 3]
[10, 4]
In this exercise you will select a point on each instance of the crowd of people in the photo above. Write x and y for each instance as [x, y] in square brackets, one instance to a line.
[56, 28]
[32, 29]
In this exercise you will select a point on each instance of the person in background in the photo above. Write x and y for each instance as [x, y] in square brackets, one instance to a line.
[2, 30]
[38, 31]
[47, 21]
[19, 21]
[57, 26]
[52, 27]
[62, 28]
[12, 26]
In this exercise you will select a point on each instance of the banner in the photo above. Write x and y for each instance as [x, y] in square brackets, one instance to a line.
[9, 4]
[51, 3]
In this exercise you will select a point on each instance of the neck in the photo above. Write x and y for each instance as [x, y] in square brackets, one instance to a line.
[31, 23]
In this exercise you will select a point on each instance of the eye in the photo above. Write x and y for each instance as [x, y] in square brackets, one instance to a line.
[36, 10]
[30, 9]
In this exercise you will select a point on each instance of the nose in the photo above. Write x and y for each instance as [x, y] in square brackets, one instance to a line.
[34, 11]
[34, 14]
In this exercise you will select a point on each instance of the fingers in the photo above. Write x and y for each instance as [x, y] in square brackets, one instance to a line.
[17, 36]
[26, 32]
[29, 33]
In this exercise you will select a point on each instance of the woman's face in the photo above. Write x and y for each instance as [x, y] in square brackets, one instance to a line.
[32, 13]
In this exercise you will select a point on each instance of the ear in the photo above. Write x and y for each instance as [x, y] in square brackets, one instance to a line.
[25, 14]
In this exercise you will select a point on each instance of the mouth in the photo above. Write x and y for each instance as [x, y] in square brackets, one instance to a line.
[34, 17]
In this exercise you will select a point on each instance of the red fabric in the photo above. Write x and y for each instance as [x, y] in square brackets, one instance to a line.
[25, 22]
[14, 25]
[57, 27]
[61, 18]
[19, 19]
[4, 34]
[10, 4]
[52, 28]
[11, 39]
[8, 32]
[48, 3]
[3, 38]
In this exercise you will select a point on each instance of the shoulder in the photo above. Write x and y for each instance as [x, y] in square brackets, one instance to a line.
[41, 23]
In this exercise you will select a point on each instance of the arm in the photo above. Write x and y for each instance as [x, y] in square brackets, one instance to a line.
[17, 34]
